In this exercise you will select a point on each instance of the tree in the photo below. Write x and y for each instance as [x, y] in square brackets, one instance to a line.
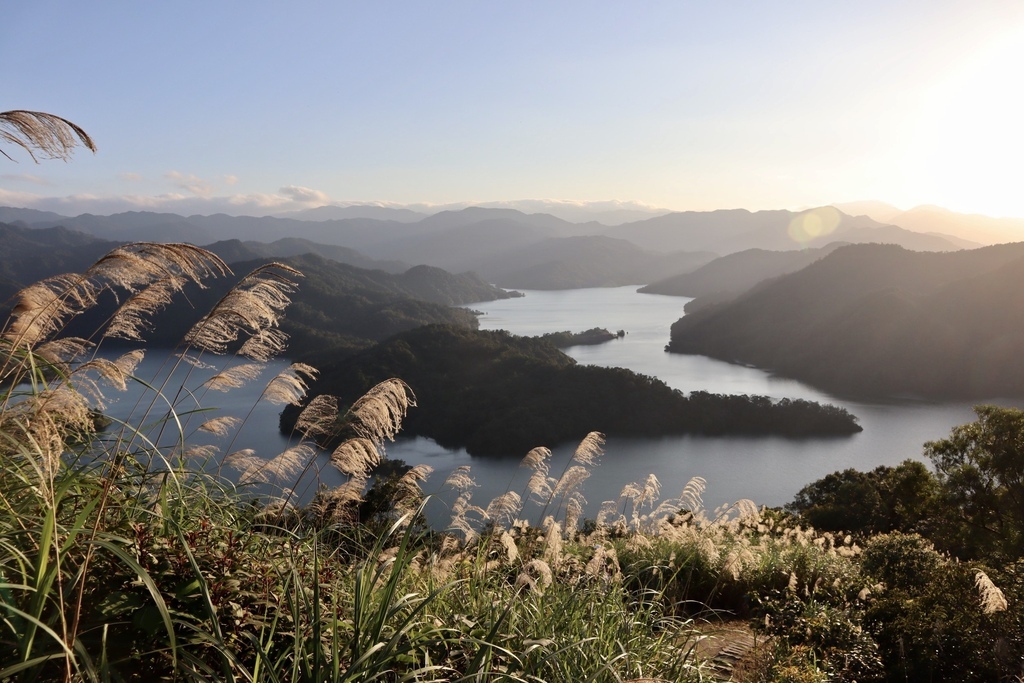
[42, 135]
[882, 500]
[980, 467]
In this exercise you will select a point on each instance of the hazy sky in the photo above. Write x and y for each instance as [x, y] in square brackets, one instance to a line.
[257, 107]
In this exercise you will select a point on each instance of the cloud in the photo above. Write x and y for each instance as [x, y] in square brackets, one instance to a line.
[191, 183]
[230, 180]
[185, 203]
[130, 176]
[305, 195]
[25, 178]
[22, 199]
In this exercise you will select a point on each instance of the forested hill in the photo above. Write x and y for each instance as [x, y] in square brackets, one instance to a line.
[878, 320]
[344, 308]
[498, 394]
[736, 273]
[337, 305]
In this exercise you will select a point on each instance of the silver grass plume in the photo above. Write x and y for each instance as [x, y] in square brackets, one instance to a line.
[290, 385]
[136, 266]
[504, 508]
[47, 420]
[133, 317]
[378, 414]
[992, 598]
[552, 541]
[537, 458]
[573, 512]
[459, 479]
[539, 485]
[246, 463]
[650, 492]
[608, 513]
[509, 544]
[43, 308]
[339, 502]
[408, 494]
[319, 417]
[570, 480]
[748, 511]
[251, 308]
[461, 510]
[46, 135]
[536, 576]
[234, 377]
[356, 456]
[692, 492]
[60, 353]
[221, 426]
[200, 452]
[590, 449]
[284, 466]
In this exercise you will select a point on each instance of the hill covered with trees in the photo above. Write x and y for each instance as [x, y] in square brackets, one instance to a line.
[498, 394]
[879, 320]
[337, 305]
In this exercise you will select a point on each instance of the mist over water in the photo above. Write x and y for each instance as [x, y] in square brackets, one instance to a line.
[768, 470]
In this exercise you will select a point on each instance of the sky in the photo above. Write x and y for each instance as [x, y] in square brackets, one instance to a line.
[262, 107]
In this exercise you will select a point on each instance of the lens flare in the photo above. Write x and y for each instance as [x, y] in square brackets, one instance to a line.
[810, 225]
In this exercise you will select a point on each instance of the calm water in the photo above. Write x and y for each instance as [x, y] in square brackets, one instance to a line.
[768, 470]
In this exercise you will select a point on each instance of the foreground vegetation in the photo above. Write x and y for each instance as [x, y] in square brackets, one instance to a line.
[131, 555]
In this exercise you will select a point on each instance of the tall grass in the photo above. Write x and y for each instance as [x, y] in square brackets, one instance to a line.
[144, 553]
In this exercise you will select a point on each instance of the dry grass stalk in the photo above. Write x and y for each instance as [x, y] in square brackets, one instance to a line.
[234, 377]
[356, 456]
[504, 508]
[221, 426]
[319, 417]
[283, 467]
[459, 479]
[536, 576]
[134, 267]
[47, 420]
[133, 316]
[570, 480]
[36, 132]
[45, 306]
[992, 598]
[290, 385]
[60, 353]
[590, 449]
[408, 493]
[378, 414]
[691, 497]
[252, 308]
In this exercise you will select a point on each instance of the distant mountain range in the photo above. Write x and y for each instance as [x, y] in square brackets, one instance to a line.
[973, 229]
[504, 246]
[879, 320]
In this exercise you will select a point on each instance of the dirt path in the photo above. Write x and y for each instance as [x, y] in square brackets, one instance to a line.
[729, 650]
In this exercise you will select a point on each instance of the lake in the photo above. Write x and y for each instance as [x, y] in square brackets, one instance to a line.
[767, 470]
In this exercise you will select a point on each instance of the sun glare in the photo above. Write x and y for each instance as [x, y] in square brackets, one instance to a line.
[970, 149]
[812, 224]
